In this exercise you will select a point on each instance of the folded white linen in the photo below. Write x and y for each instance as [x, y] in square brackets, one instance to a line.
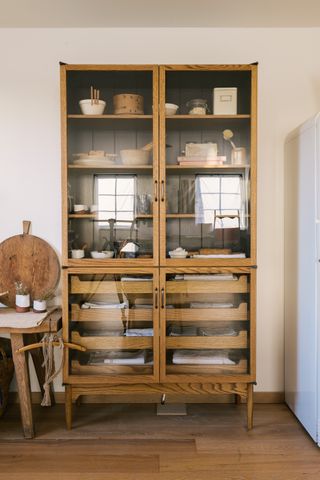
[218, 332]
[137, 357]
[102, 333]
[231, 255]
[201, 357]
[136, 279]
[214, 277]
[104, 305]
[178, 331]
[139, 332]
[210, 305]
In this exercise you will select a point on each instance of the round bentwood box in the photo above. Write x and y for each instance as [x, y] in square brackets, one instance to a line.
[128, 103]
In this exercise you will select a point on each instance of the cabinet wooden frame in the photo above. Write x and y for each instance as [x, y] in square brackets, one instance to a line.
[164, 69]
[165, 342]
[107, 375]
[65, 118]
[104, 380]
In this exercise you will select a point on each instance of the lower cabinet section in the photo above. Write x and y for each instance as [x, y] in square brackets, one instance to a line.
[160, 330]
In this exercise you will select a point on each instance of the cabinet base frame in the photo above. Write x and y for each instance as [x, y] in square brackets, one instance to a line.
[240, 390]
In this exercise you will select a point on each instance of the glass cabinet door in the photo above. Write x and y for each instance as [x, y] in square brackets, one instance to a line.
[208, 169]
[207, 326]
[110, 165]
[114, 316]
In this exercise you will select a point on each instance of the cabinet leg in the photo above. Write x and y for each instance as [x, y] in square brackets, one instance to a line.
[250, 406]
[237, 399]
[23, 383]
[68, 406]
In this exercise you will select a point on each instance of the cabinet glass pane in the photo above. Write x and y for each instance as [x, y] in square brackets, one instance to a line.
[112, 317]
[110, 173]
[208, 166]
[207, 324]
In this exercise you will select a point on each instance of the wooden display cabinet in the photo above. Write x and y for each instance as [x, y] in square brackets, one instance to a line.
[152, 324]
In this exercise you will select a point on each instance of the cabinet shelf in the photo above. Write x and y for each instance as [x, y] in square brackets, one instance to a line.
[215, 168]
[206, 117]
[123, 315]
[112, 343]
[240, 368]
[114, 168]
[79, 369]
[111, 287]
[197, 286]
[94, 216]
[239, 341]
[194, 315]
[111, 117]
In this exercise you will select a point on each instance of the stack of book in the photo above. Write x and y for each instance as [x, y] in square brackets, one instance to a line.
[201, 161]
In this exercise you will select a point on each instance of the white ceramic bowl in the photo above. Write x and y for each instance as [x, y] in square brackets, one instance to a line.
[103, 254]
[178, 255]
[135, 156]
[79, 208]
[171, 108]
[92, 109]
[108, 253]
[77, 253]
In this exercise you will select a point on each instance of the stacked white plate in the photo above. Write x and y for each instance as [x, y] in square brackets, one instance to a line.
[96, 158]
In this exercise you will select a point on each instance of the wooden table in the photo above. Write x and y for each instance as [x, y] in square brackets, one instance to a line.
[21, 337]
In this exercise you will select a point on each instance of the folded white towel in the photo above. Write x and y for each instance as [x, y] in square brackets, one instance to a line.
[136, 279]
[102, 333]
[213, 277]
[232, 255]
[126, 358]
[210, 305]
[139, 332]
[178, 331]
[218, 332]
[201, 357]
[104, 305]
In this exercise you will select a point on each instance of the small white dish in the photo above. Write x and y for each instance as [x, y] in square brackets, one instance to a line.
[89, 108]
[80, 208]
[103, 254]
[171, 108]
[108, 253]
[178, 253]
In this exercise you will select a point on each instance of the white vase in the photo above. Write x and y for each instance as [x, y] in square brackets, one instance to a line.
[22, 303]
[39, 306]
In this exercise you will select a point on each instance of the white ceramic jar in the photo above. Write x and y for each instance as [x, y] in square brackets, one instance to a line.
[22, 303]
[39, 306]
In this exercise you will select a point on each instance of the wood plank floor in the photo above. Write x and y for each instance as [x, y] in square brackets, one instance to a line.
[129, 442]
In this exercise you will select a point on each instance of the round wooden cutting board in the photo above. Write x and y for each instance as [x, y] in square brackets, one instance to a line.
[28, 259]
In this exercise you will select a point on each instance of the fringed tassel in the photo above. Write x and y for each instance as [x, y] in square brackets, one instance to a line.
[49, 365]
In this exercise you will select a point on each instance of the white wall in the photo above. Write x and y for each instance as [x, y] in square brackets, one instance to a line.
[289, 92]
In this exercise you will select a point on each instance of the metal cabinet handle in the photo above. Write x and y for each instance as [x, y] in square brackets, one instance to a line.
[162, 190]
[156, 190]
[162, 297]
[156, 298]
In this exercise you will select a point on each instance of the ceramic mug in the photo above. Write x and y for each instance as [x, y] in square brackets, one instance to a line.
[77, 253]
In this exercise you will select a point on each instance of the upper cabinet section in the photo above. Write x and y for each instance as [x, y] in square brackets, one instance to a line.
[208, 165]
[110, 164]
[159, 165]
